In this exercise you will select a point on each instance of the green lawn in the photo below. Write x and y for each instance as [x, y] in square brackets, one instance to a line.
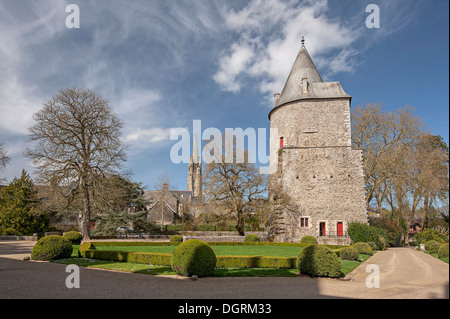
[272, 251]
[277, 251]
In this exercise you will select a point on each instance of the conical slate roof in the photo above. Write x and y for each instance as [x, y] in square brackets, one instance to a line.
[304, 68]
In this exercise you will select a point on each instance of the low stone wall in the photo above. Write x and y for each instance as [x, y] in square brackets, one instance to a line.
[28, 238]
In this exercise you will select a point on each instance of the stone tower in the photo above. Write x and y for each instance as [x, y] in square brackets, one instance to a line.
[313, 159]
[194, 179]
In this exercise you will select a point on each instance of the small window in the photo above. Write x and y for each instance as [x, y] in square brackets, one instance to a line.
[304, 222]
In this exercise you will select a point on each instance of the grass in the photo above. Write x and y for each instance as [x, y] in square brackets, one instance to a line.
[444, 259]
[346, 265]
[272, 251]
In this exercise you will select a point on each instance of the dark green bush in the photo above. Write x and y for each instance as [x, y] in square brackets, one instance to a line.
[431, 234]
[349, 253]
[364, 233]
[175, 239]
[443, 251]
[251, 238]
[434, 248]
[429, 243]
[52, 248]
[309, 240]
[193, 257]
[318, 261]
[372, 245]
[363, 248]
[74, 237]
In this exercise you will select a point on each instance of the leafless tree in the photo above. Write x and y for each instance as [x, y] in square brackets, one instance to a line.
[237, 184]
[4, 160]
[76, 140]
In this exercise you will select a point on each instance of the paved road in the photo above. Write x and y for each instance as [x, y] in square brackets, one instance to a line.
[404, 273]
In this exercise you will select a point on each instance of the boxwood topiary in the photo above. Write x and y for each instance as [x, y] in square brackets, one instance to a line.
[372, 245]
[74, 237]
[434, 248]
[309, 240]
[363, 248]
[319, 261]
[251, 238]
[429, 243]
[193, 257]
[349, 253]
[176, 239]
[52, 247]
[443, 251]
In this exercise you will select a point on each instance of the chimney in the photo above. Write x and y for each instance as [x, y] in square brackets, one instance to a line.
[277, 97]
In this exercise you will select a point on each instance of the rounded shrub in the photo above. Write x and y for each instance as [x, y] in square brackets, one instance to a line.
[52, 247]
[363, 248]
[251, 238]
[429, 243]
[372, 245]
[318, 261]
[309, 240]
[176, 239]
[74, 237]
[349, 253]
[443, 251]
[193, 257]
[434, 248]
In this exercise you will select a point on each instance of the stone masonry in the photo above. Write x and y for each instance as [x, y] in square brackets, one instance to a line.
[313, 158]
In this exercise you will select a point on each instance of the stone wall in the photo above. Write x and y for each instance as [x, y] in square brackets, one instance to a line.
[317, 168]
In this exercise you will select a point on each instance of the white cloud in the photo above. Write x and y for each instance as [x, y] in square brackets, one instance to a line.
[148, 136]
[273, 29]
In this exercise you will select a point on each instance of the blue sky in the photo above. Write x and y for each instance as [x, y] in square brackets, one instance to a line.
[163, 64]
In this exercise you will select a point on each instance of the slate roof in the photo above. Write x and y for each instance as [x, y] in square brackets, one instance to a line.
[304, 67]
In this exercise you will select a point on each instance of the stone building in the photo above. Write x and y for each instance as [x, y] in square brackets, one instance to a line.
[174, 207]
[313, 158]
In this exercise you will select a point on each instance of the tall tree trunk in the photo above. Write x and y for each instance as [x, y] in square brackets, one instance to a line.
[86, 217]
[426, 200]
[240, 223]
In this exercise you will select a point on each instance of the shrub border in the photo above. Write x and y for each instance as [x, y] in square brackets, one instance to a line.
[89, 250]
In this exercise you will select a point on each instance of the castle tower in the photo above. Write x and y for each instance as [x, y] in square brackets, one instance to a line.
[194, 180]
[313, 158]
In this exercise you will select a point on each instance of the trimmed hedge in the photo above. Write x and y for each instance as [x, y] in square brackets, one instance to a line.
[372, 245]
[364, 233]
[74, 237]
[52, 247]
[250, 238]
[363, 248]
[318, 261]
[434, 248]
[255, 262]
[176, 239]
[429, 243]
[349, 253]
[443, 251]
[309, 240]
[193, 257]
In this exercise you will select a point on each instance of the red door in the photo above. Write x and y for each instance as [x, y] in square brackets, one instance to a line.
[281, 142]
[340, 229]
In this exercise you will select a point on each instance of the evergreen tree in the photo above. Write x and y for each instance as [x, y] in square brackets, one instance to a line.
[19, 215]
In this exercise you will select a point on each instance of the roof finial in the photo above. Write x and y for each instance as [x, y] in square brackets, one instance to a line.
[303, 41]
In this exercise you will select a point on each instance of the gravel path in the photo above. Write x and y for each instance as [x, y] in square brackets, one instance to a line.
[404, 273]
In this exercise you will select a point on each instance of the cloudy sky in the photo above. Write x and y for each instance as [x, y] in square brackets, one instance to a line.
[163, 64]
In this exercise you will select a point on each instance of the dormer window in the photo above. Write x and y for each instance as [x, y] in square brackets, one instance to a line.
[305, 86]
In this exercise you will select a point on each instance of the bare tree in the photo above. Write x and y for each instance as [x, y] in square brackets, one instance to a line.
[4, 160]
[77, 140]
[237, 184]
